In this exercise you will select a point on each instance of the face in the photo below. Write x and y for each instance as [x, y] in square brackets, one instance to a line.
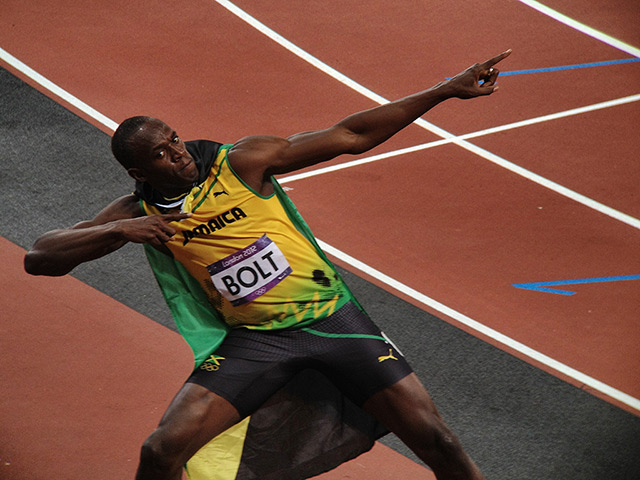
[162, 159]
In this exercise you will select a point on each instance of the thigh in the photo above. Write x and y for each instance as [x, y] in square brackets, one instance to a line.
[195, 416]
[407, 410]
[402, 406]
[356, 355]
[248, 368]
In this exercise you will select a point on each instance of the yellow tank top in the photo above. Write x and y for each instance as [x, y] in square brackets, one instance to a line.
[253, 255]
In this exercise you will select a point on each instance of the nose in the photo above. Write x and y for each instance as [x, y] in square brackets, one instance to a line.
[177, 152]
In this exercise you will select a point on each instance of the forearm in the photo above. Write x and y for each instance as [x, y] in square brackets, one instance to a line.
[374, 126]
[58, 252]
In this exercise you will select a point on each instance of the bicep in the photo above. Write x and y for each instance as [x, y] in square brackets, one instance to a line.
[257, 158]
[310, 148]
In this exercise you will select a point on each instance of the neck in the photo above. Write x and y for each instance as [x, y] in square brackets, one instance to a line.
[174, 193]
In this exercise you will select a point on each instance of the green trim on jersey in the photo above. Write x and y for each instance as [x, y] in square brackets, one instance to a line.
[214, 183]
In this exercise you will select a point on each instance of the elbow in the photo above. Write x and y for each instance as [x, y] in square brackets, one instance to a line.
[355, 143]
[358, 143]
[35, 264]
[31, 263]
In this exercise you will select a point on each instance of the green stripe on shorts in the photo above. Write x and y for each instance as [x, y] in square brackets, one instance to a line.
[342, 335]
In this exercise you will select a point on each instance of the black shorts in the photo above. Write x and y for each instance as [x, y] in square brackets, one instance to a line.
[347, 347]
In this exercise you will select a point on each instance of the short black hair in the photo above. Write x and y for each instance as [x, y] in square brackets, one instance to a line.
[121, 140]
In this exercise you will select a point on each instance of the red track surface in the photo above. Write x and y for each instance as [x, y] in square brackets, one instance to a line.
[445, 222]
[72, 385]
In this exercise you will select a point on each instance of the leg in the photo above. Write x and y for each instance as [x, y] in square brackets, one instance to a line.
[406, 409]
[194, 417]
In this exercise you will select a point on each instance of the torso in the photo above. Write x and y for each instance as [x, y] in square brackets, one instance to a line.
[253, 255]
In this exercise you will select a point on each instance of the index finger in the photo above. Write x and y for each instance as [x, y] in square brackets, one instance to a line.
[491, 62]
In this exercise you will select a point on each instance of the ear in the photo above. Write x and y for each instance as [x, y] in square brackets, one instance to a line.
[137, 174]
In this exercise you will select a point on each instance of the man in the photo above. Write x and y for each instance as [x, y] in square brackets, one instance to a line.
[219, 213]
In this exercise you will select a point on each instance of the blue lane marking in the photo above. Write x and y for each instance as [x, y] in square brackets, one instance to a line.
[542, 286]
[570, 67]
[567, 67]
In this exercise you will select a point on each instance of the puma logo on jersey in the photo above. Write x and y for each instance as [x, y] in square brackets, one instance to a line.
[217, 194]
[382, 358]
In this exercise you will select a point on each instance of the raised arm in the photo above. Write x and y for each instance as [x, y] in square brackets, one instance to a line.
[255, 159]
[58, 252]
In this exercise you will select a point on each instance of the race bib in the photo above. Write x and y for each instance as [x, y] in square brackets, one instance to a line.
[251, 272]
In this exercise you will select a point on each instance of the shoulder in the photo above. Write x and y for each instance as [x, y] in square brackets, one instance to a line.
[257, 146]
[252, 158]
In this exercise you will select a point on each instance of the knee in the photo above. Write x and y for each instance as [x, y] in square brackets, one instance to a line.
[434, 441]
[160, 453]
[440, 438]
[444, 453]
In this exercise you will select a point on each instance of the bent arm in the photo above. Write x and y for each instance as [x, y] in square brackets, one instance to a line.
[58, 252]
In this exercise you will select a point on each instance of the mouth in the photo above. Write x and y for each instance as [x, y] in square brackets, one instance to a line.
[189, 171]
[188, 164]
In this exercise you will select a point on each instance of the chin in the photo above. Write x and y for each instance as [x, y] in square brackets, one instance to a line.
[194, 177]
[190, 172]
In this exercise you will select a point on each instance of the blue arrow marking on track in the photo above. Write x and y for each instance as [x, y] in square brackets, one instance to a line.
[542, 286]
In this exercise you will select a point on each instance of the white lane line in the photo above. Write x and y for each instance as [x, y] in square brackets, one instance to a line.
[483, 329]
[56, 90]
[562, 190]
[581, 27]
[293, 48]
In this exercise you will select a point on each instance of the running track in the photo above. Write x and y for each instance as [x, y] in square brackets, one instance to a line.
[537, 183]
